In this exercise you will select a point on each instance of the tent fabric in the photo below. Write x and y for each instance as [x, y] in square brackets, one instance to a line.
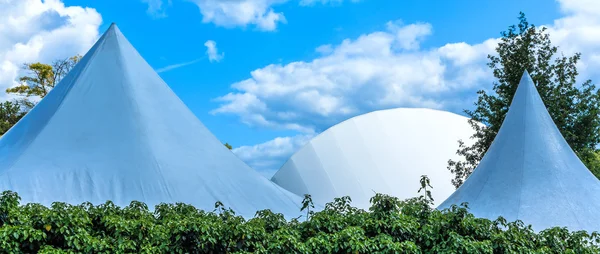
[384, 151]
[530, 173]
[112, 129]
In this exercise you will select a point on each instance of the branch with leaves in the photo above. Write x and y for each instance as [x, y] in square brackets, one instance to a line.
[41, 78]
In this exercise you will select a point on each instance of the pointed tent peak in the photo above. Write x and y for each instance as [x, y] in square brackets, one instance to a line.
[112, 129]
[112, 26]
[531, 173]
[526, 94]
[526, 79]
[113, 29]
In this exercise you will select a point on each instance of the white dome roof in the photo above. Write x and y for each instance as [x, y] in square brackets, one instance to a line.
[384, 151]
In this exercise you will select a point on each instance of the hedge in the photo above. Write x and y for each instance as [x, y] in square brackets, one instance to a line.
[389, 226]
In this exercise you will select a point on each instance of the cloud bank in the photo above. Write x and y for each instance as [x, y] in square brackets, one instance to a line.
[35, 30]
[385, 69]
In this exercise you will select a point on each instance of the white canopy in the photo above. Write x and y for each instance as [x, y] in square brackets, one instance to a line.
[112, 129]
[531, 174]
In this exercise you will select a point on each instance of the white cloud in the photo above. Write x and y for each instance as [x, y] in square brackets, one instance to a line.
[242, 13]
[410, 36]
[35, 30]
[388, 69]
[580, 7]
[332, 2]
[157, 8]
[579, 31]
[235, 13]
[269, 156]
[378, 70]
[213, 52]
[324, 49]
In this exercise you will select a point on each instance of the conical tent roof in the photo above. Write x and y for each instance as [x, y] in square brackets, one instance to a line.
[531, 174]
[112, 129]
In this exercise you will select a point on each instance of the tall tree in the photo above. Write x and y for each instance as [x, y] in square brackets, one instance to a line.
[574, 109]
[43, 77]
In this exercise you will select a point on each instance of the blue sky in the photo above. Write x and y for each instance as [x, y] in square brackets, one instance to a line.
[179, 38]
[278, 84]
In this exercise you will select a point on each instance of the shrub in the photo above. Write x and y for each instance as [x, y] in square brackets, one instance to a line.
[390, 226]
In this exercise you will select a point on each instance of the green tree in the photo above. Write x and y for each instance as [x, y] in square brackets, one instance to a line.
[573, 108]
[10, 113]
[228, 146]
[43, 77]
[593, 163]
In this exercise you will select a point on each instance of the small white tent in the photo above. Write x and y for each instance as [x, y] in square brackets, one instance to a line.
[112, 129]
[383, 151]
[530, 173]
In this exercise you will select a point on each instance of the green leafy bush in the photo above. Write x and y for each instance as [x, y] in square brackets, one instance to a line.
[390, 226]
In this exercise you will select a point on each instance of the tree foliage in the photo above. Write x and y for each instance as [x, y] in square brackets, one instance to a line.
[10, 113]
[43, 77]
[390, 226]
[574, 109]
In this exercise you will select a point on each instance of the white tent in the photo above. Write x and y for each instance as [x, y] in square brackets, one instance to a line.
[383, 151]
[531, 174]
[112, 129]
